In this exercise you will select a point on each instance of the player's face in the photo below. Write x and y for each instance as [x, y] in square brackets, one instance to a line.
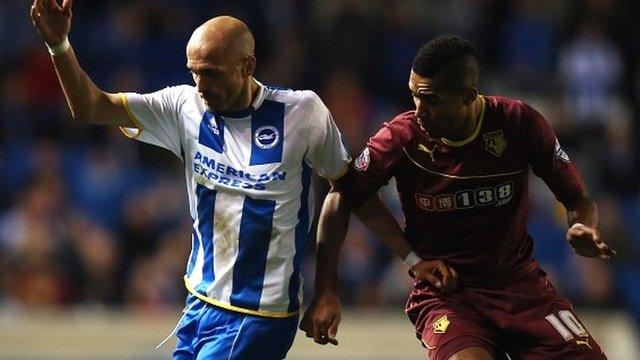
[439, 108]
[219, 79]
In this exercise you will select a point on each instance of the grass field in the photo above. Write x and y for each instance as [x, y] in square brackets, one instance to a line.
[106, 335]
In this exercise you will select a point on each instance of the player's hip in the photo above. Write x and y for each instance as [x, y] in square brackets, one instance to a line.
[214, 333]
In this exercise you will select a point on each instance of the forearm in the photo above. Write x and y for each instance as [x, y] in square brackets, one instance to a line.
[375, 215]
[332, 229]
[585, 212]
[86, 101]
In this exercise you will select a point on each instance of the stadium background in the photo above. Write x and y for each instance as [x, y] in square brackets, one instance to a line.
[94, 229]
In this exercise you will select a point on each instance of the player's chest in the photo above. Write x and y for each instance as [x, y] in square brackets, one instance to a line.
[485, 173]
[247, 153]
[493, 152]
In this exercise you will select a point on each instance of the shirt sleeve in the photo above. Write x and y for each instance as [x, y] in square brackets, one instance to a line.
[549, 161]
[372, 168]
[156, 118]
[327, 153]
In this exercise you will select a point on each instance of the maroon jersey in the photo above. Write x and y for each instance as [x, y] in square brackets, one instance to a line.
[466, 202]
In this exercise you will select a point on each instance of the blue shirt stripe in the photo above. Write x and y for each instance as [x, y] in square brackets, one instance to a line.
[211, 132]
[267, 131]
[206, 199]
[253, 247]
[301, 236]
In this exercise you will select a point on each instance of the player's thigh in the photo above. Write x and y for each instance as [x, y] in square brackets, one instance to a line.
[472, 353]
[187, 329]
[556, 333]
[264, 338]
[450, 329]
[244, 337]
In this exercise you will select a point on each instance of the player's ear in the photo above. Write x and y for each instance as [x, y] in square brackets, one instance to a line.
[249, 65]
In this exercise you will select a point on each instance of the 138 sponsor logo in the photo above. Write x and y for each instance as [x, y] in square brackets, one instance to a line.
[466, 199]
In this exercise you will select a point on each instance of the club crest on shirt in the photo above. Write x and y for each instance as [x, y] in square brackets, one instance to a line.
[361, 163]
[559, 153]
[494, 142]
[213, 126]
[266, 137]
[441, 325]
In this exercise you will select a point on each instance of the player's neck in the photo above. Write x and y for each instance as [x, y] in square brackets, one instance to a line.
[472, 118]
[247, 96]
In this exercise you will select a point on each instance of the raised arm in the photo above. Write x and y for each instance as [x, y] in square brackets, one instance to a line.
[87, 102]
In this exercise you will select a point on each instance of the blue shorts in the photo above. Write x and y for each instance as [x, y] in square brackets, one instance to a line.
[209, 332]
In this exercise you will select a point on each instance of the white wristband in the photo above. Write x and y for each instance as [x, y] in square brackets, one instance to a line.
[412, 259]
[60, 48]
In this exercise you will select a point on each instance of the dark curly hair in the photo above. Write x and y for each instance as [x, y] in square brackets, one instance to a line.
[446, 50]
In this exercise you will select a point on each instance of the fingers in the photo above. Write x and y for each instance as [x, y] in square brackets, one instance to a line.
[454, 275]
[304, 325]
[54, 5]
[433, 280]
[45, 6]
[447, 276]
[66, 6]
[605, 252]
[438, 273]
[35, 16]
[37, 4]
[319, 328]
[324, 330]
[333, 331]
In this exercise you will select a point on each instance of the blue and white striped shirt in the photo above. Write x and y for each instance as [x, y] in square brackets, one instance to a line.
[248, 177]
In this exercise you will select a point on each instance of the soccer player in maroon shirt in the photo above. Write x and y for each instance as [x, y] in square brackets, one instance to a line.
[461, 161]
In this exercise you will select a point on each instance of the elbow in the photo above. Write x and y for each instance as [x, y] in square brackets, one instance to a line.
[337, 202]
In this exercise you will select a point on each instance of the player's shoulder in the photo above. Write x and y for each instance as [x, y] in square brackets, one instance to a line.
[510, 108]
[403, 126]
[181, 90]
[303, 98]
[177, 94]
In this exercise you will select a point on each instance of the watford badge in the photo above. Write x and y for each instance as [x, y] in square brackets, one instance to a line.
[495, 142]
[440, 326]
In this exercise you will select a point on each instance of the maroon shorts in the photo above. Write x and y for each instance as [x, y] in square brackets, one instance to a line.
[526, 319]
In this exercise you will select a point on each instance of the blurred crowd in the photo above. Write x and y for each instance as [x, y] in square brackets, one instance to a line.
[90, 218]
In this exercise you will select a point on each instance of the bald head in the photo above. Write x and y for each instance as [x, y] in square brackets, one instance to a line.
[220, 59]
[222, 35]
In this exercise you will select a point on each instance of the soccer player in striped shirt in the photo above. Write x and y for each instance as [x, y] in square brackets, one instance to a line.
[461, 162]
[248, 151]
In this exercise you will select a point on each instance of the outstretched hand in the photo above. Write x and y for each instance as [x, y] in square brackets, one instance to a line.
[53, 21]
[586, 241]
[322, 318]
[437, 273]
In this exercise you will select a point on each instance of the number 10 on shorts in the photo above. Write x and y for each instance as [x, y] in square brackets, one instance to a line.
[566, 321]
